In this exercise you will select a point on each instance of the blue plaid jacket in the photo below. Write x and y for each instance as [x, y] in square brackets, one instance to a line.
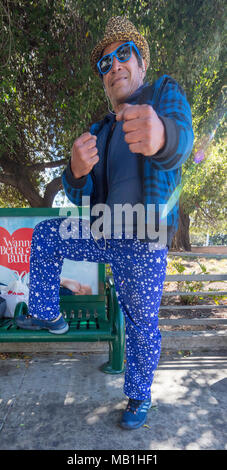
[161, 173]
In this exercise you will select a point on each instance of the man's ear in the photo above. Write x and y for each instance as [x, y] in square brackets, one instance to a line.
[144, 66]
[144, 69]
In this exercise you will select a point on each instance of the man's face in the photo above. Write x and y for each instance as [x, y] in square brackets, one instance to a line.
[123, 78]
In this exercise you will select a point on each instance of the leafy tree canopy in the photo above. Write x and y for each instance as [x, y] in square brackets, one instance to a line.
[49, 95]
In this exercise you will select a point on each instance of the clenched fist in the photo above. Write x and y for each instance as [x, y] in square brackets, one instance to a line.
[144, 131]
[84, 155]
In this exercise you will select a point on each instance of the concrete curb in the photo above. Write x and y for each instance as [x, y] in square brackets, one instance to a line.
[171, 340]
[195, 340]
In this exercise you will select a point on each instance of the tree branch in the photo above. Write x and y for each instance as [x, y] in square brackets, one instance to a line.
[22, 183]
[7, 179]
[198, 206]
[51, 190]
[41, 166]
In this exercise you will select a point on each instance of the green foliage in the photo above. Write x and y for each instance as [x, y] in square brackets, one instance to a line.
[49, 95]
[108, 270]
[177, 267]
[204, 190]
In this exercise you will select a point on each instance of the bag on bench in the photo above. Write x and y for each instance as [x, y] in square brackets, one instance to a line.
[17, 291]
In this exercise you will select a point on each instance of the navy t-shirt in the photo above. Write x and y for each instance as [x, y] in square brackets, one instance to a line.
[124, 184]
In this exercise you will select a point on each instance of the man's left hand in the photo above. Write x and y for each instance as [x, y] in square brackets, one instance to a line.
[144, 131]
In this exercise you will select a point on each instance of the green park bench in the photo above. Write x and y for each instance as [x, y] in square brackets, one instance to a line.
[95, 317]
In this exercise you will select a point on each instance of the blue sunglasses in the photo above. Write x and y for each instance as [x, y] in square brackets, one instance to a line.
[122, 54]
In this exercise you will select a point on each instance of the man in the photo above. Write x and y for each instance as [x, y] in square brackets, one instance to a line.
[133, 156]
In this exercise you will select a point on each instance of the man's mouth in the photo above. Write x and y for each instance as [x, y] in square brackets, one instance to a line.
[117, 80]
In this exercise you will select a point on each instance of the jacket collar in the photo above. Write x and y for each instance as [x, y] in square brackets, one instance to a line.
[133, 98]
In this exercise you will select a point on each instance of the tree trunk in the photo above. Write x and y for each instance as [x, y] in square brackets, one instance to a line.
[19, 176]
[34, 198]
[51, 190]
[181, 240]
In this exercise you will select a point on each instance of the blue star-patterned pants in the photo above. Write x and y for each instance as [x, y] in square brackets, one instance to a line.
[139, 273]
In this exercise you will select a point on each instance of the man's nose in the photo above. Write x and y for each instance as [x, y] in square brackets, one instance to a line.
[116, 65]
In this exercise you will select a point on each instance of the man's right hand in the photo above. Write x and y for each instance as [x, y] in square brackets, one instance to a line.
[84, 155]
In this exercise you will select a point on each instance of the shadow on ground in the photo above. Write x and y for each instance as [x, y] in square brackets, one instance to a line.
[63, 401]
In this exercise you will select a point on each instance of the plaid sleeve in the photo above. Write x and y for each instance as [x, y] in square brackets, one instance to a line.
[174, 111]
[76, 188]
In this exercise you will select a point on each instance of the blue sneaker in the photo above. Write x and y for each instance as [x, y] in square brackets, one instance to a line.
[135, 414]
[57, 326]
